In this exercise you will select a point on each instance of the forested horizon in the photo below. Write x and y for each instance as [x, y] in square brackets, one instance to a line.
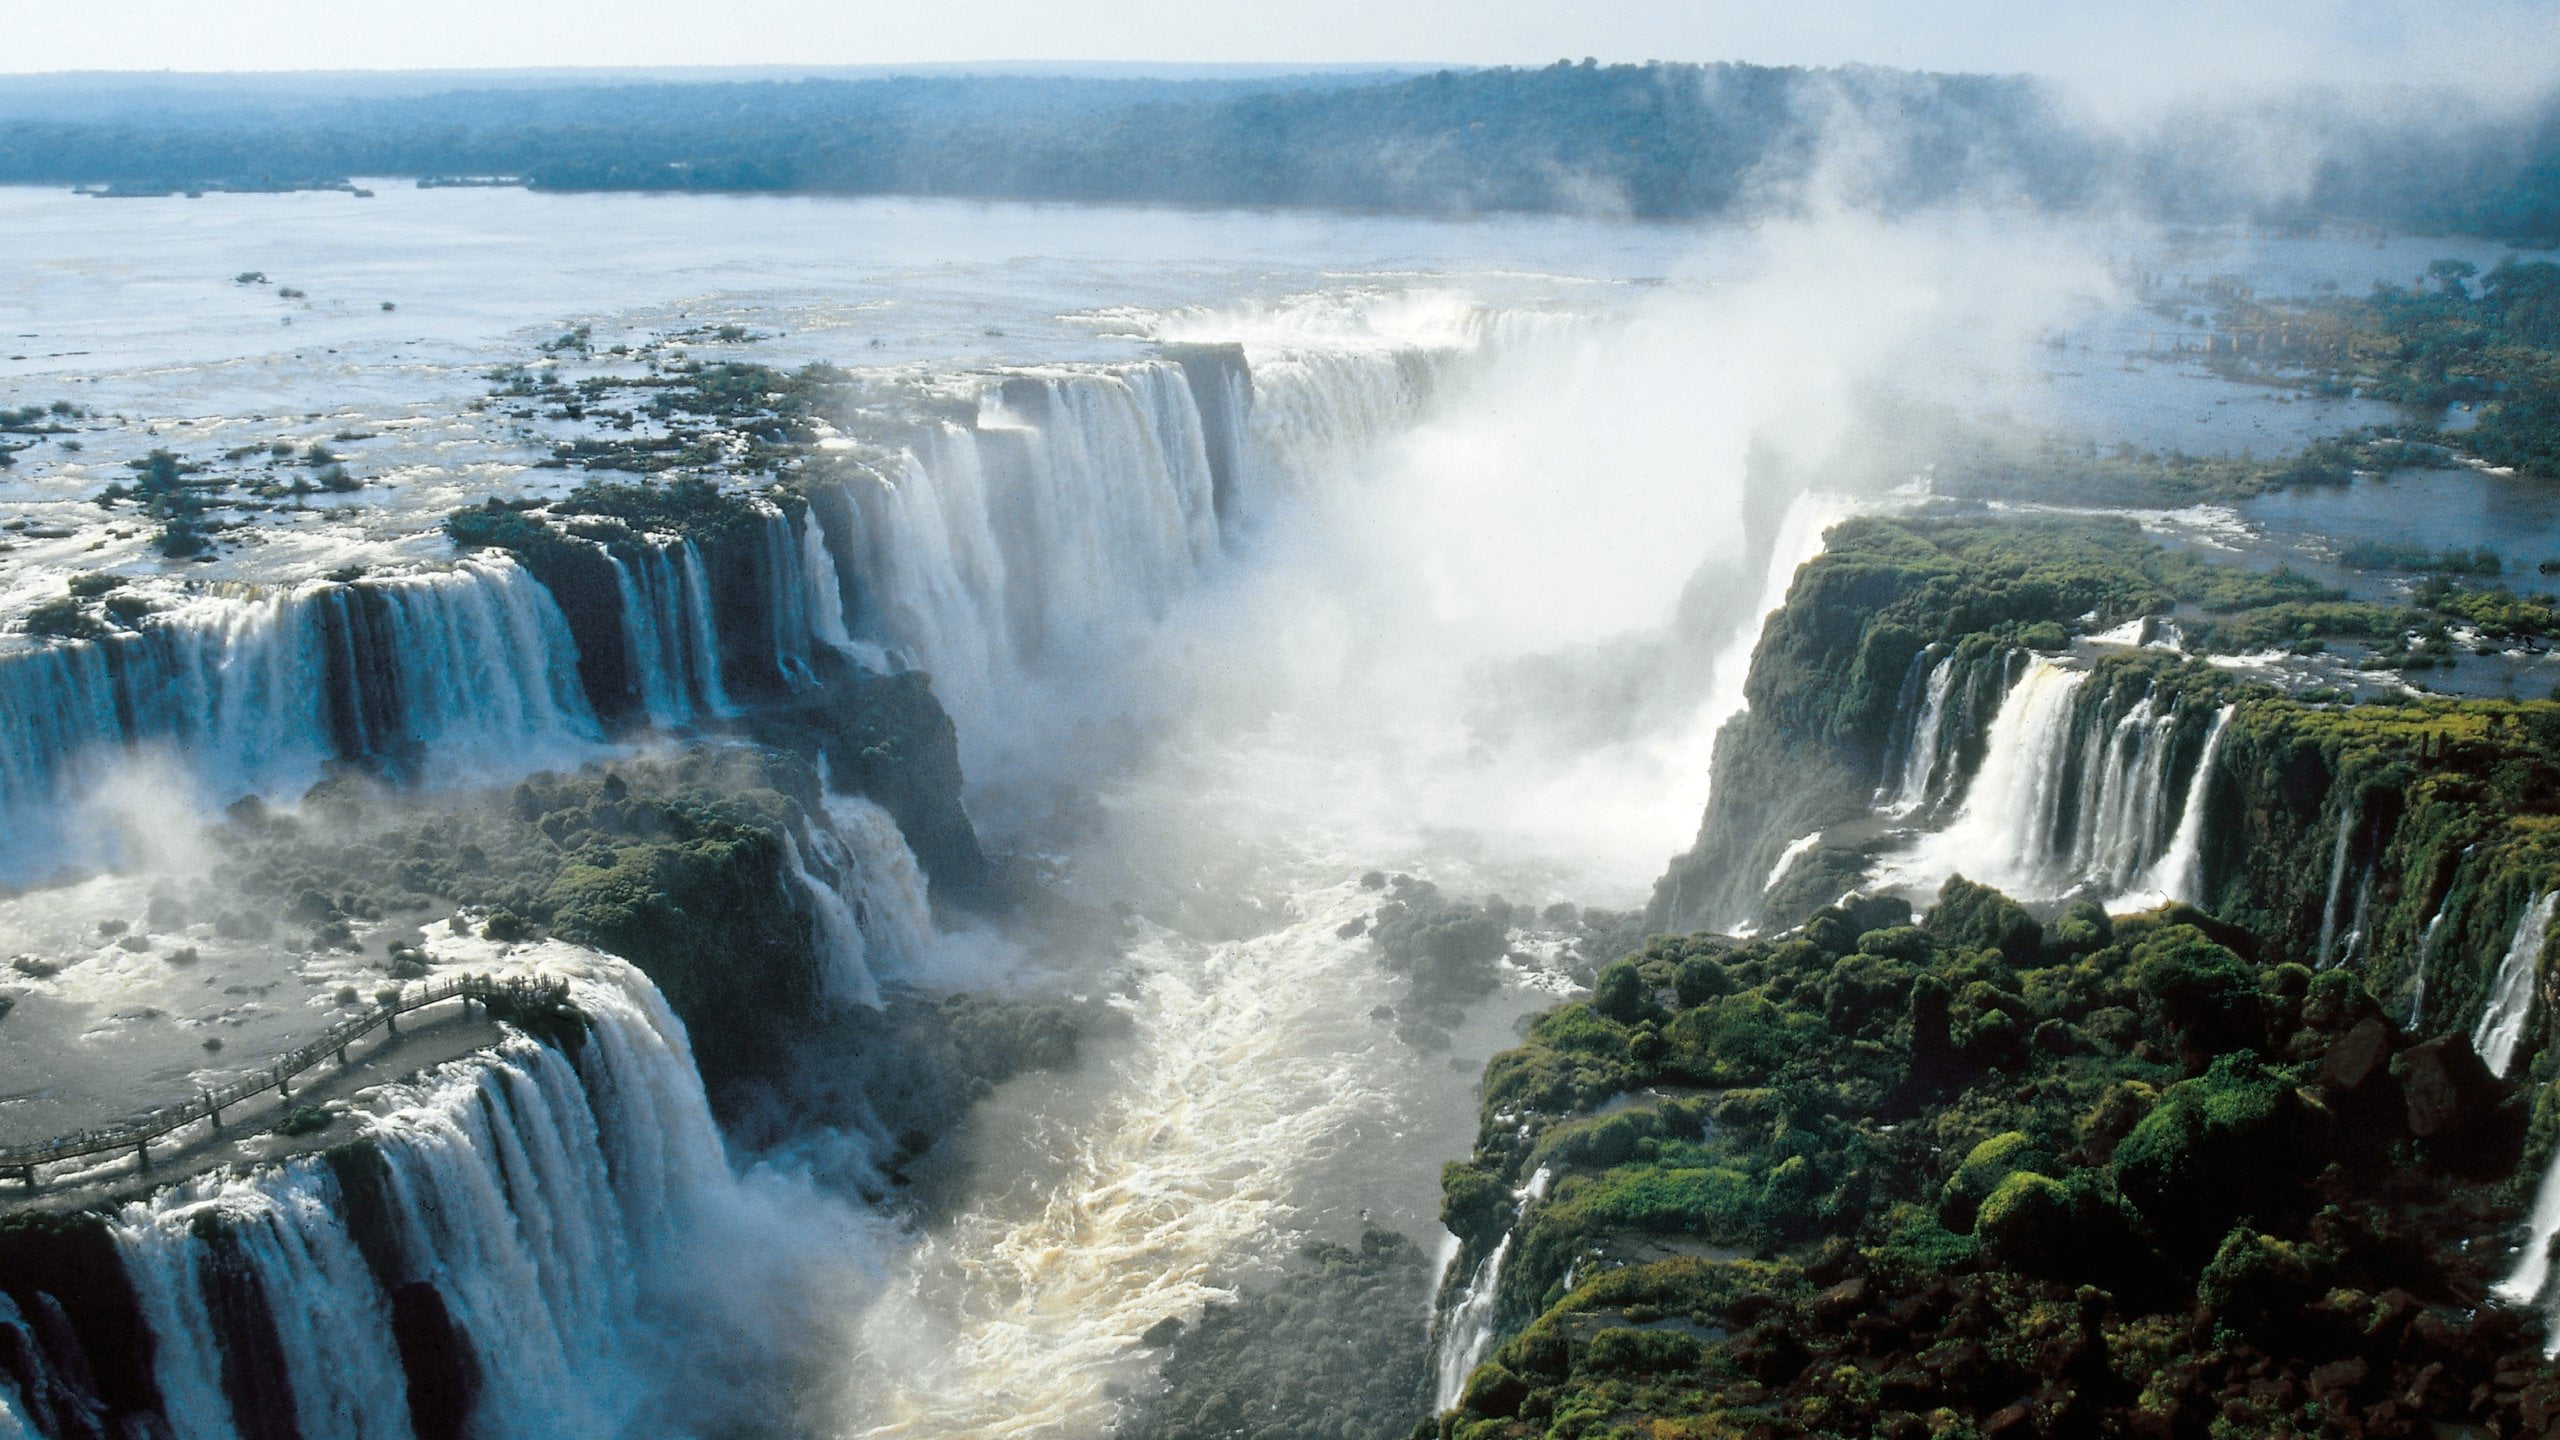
[1651, 141]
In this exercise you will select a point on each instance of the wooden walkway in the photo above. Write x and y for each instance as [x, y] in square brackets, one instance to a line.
[137, 1133]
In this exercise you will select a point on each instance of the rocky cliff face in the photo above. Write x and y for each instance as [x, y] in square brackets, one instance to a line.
[1879, 1172]
[2401, 833]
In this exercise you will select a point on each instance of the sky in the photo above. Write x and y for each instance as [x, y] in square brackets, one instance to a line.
[2117, 46]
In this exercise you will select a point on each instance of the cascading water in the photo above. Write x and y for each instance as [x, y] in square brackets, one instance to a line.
[1796, 850]
[1911, 770]
[2122, 797]
[2351, 947]
[1074, 507]
[2004, 833]
[456, 671]
[46, 1386]
[872, 910]
[2421, 967]
[2531, 1278]
[2069, 799]
[826, 598]
[787, 600]
[1467, 1331]
[848, 979]
[2510, 1006]
[702, 635]
[2337, 881]
[516, 1202]
[883, 884]
[2179, 873]
[1073, 510]
[482, 665]
[653, 638]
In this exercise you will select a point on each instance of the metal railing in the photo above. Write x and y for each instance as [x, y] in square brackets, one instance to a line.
[137, 1133]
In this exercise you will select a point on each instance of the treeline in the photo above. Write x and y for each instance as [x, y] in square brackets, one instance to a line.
[1651, 141]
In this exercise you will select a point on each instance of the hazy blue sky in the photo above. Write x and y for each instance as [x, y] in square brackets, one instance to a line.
[2119, 45]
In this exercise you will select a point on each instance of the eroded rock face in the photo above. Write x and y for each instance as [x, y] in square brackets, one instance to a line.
[2446, 1084]
[2355, 1060]
[888, 739]
[91, 1344]
[437, 1359]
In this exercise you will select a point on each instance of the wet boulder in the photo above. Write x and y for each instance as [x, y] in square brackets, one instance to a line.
[2357, 1059]
[2446, 1084]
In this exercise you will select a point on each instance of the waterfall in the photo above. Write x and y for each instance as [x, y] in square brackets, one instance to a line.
[2352, 947]
[1111, 509]
[259, 1290]
[46, 1388]
[1810, 515]
[652, 644]
[1067, 509]
[670, 634]
[2424, 963]
[1467, 1333]
[826, 599]
[522, 1197]
[2179, 873]
[880, 878]
[1787, 859]
[2511, 993]
[2337, 881]
[848, 979]
[1912, 772]
[2530, 1280]
[787, 600]
[703, 636]
[234, 687]
[454, 670]
[2003, 835]
[2123, 798]
[1066, 517]
[2068, 799]
[483, 665]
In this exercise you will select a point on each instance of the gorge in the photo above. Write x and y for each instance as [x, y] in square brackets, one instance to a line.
[1049, 791]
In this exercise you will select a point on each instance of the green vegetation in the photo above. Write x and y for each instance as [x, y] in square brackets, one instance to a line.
[1999, 1172]
[726, 417]
[1828, 679]
[676, 867]
[1976, 1175]
[675, 864]
[2497, 347]
[2369, 555]
[1973, 462]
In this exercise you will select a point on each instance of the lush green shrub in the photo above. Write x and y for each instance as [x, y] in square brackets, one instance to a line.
[1621, 993]
[1968, 916]
[2224, 1145]
[1625, 1351]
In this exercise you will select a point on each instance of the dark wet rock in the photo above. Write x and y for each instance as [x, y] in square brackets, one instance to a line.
[2357, 1058]
[1837, 1304]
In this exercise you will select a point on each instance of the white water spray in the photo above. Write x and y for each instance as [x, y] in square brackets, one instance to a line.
[2511, 994]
